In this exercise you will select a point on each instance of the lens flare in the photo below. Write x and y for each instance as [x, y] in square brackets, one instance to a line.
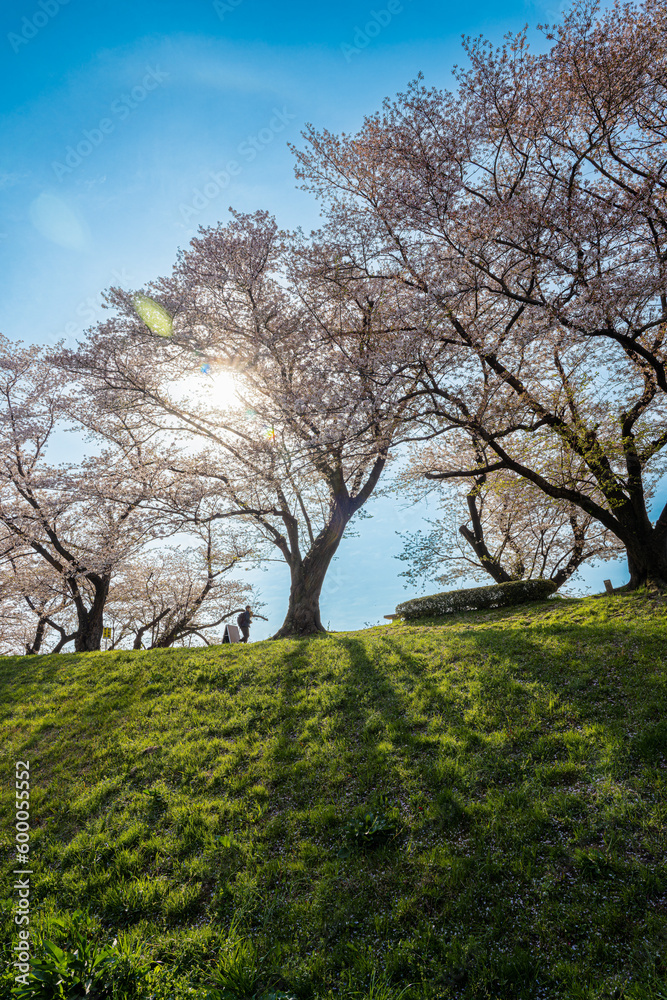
[221, 386]
[155, 316]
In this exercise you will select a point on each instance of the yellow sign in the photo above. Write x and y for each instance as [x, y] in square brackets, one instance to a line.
[106, 633]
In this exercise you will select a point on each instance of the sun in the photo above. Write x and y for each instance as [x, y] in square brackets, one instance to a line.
[220, 387]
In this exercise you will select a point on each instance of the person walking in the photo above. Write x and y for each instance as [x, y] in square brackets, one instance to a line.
[243, 622]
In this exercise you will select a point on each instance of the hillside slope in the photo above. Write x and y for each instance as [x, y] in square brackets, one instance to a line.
[199, 805]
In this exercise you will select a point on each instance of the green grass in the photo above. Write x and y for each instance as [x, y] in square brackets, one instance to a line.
[196, 803]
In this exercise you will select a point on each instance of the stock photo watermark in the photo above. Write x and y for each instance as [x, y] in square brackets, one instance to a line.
[222, 7]
[377, 22]
[121, 108]
[88, 310]
[31, 26]
[21, 948]
[247, 151]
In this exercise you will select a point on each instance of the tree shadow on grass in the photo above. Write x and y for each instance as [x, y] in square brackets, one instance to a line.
[531, 668]
[45, 695]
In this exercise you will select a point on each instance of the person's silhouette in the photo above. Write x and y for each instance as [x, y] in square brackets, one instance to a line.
[243, 622]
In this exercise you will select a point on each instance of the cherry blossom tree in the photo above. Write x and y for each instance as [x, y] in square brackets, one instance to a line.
[157, 598]
[81, 521]
[169, 596]
[36, 605]
[529, 209]
[300, 447]
[498, 525]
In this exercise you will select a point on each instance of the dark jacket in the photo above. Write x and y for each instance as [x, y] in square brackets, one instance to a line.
[243, 620]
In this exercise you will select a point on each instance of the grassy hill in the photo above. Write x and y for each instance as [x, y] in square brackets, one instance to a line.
[471, 806]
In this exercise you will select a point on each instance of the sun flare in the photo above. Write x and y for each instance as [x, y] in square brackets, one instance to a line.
[221, 387]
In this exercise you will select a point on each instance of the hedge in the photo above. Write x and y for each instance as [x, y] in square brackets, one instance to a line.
[495, 595]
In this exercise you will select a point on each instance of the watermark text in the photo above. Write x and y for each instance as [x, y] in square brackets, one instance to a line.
[21, 949]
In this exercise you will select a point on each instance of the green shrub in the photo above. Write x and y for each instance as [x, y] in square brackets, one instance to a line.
[474, 598]
[371, 829]
[84, 966]
[156, 801]
[239, 972]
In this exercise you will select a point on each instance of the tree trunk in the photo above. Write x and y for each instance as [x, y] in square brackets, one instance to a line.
[64, 639]
[491, 565]
[91, 621]
[34, 647]
[647, 561]
[89, 637]
[303, 611]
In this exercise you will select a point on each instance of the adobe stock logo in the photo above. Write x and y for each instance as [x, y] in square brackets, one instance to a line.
[31, 26]
[122, 107]
[247, 151]
[221, 7]
[379, 20]
[88, 311]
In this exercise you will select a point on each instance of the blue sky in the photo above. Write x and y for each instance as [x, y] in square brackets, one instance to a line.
[126, 125]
